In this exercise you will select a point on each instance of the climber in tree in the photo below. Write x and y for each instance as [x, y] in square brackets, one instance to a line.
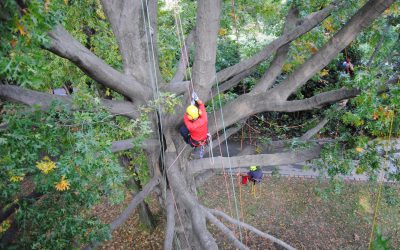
[255, 175]
[195, 129]
[348, 67]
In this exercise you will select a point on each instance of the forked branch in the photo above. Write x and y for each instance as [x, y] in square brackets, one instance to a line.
[137, 199]
[251, 228]
[362, 19]
[64, 45]
[225, 230]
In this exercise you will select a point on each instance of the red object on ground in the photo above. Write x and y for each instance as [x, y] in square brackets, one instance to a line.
[244, 179]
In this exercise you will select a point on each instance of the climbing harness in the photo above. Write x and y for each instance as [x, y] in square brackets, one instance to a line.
[204, 144]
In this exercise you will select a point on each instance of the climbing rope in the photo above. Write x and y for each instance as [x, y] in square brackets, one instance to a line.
[186, 63]
[154, 79]
[242, 138]
[229, 158]
[376, 211]
[254, 190]
[183, 47]
[220, 151]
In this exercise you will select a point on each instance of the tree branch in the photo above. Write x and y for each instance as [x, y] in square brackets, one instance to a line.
[30, 198]
[379, 44]
[176, 178]
[309, 23]
[207, 241]
[184, 59]
[232, 82]
[207, 25]
[275, 69]
[64, 45]
[236, 243]
[170, 227]
[251, 228]
[250, 104]
[362, 19]
[127, 22]
[127, 144]
[310, 133]
[139, 197]
[44, 100]
[260, 160]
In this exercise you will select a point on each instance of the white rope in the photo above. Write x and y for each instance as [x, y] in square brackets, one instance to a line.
[186, 63]
[154, 79]
[229, 158]
[210, 149]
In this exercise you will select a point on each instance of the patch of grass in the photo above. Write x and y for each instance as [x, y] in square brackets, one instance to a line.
[295, 209]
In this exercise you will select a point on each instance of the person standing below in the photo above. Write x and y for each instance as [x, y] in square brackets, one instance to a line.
[255, 175]
[195, 128]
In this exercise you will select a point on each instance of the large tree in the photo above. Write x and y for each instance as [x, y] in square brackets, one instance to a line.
[140, 81]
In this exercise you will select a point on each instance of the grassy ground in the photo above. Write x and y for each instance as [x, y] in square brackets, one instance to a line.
[308, 214]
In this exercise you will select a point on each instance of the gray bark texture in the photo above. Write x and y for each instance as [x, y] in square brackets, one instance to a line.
[361, 20]
[137, 199]
[275, 69]
[258, 160]
[134, 24]
[170, 227]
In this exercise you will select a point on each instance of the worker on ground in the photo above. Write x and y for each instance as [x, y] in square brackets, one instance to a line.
[195, 130]
[255, 175]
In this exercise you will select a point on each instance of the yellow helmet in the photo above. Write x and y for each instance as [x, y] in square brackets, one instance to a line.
[253, 168]
[192, 112]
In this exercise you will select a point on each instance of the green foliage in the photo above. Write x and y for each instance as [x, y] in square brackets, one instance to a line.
[219, 100]
[391, 196]
[65, 156]
[166, 102]
[380, 243]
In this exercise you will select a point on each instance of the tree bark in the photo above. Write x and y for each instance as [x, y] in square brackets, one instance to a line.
[275, 68]
[64, 45]
[137, 199]
[309, 23]
[43, 100]
[197, 166]
[362, 19]
[170, 227]
[251, 228]
[250, 104]
[207, 25]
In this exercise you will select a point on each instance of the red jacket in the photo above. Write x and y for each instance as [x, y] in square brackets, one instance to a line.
[198, 128]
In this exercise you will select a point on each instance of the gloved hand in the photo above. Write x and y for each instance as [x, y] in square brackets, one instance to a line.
[195, 97]
[192, 102]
